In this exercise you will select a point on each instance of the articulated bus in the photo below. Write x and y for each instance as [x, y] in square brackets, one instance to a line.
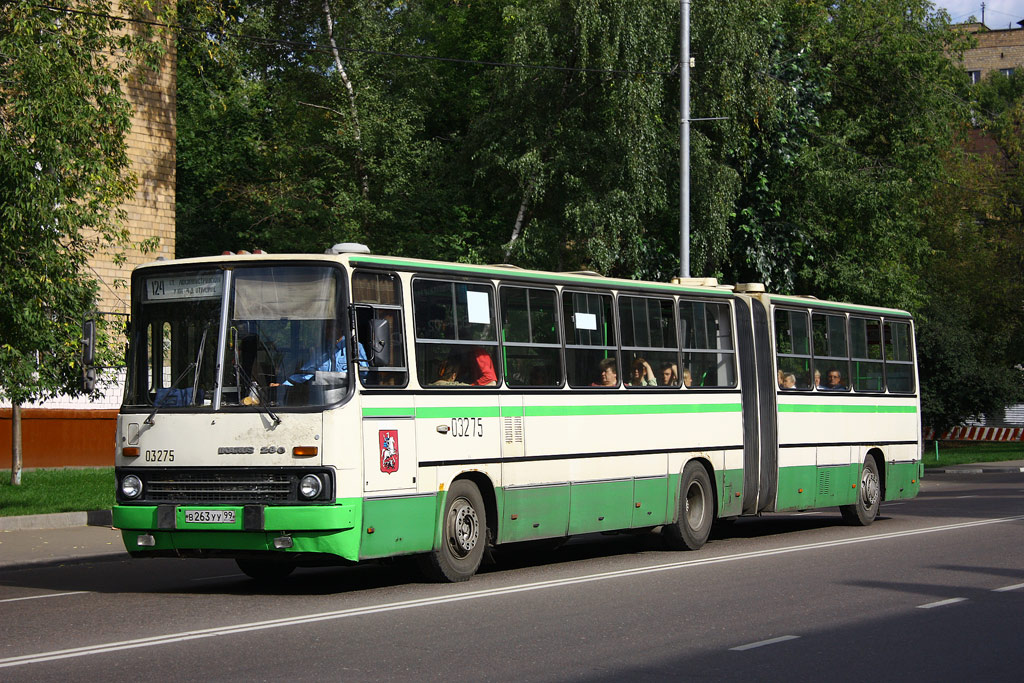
[284, 410]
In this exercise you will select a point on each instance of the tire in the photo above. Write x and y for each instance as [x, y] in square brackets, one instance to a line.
[696, 510]
[266, 571]
[463, 536]
[869, 496]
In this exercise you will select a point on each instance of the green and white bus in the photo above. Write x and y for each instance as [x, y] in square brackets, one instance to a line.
[291, 409]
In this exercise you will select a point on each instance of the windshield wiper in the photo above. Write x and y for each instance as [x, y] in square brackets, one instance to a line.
[197, 364]
[261, 401]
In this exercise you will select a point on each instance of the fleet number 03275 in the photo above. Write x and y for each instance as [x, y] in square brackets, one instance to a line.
[467, 426]
[160, 455]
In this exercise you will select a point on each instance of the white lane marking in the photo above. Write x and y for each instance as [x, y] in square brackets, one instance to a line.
[941, 603]
[214, 578]
[1008, 588]
[471, 595]
[806, 513]
[762, 643]
[962, 497]
[47, 595]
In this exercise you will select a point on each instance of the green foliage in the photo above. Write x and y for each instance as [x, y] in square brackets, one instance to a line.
[63, 177]
[836, 171]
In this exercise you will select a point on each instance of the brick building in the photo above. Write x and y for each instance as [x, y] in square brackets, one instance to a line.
[79, 432]
[998, 51]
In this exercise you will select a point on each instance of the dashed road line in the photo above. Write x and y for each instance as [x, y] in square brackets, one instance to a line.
[1004, 589]
[45, 595]
[762, 643]
[941, 603]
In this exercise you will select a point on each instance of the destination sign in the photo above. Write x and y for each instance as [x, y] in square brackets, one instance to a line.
[185, 286]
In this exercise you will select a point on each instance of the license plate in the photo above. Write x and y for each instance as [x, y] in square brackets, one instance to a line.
[210, 516]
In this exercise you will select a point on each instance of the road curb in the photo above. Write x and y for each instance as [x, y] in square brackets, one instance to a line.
[58, 561]
[960, 469]
[56, 520]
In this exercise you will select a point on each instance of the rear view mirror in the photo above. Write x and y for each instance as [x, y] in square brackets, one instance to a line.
[380, 341]
[88, 342]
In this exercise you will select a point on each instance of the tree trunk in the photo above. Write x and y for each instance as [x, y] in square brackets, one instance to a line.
[357, 131]
[15, 444]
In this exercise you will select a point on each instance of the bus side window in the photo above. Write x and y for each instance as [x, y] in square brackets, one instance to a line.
[793, 349]
[709, 358]
[456, 338]
[899, 358]
[831, 351]
[649, 347]
[377, 298]
[532, 350]
[866, 354]
[591, 355]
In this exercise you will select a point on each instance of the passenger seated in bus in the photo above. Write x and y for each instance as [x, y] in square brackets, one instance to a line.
[833, 381]
[481, 368]
[817, 378]
[669, 375]
[448, 372]
[641, 374]
[687, 377]
[788, 381]
[608, 373]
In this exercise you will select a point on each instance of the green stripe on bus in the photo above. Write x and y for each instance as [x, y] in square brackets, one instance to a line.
[509, 274]
[798, 408]
[833, 304]
[512, 411]
[388, 412]
[563, 411]
[458, 411]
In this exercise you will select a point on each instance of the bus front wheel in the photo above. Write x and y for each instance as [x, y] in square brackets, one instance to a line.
[696, 510]
[463, 535]
[869, 497]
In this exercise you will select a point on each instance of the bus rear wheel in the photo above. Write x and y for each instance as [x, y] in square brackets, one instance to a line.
[869, 497]
[266, 571]
[463, 536]
[696, 510]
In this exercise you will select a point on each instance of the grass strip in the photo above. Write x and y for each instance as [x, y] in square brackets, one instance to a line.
[969, 452]
[43, 491]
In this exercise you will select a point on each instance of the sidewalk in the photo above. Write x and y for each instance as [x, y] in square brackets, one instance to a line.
[977, 468]
[27, 547]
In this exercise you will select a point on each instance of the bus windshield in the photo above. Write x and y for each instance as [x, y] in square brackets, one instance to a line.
[284, 342]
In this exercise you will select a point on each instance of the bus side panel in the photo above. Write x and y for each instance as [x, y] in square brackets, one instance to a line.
[600, 506]
[650, 495]
[902, 472]
[398, 525]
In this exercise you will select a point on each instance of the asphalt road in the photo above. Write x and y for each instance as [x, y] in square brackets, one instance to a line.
[934, 590]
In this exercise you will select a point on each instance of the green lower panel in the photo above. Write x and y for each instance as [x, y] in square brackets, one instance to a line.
[601, 506]
[649, 496]
[534, 512]
[730, 493]
[796, 488]
[332, 529]
[344, 544]
[400, 526]
[836, 485]
[902, 479]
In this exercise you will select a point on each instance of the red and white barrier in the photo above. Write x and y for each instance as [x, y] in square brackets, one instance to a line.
[978, 434]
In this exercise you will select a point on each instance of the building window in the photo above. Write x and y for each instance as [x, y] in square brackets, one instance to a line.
[975, 76]
[1006, 72]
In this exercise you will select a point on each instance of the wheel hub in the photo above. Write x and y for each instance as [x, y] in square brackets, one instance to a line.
[870, 490]
[463, 528]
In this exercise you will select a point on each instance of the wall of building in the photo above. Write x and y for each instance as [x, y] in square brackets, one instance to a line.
[1000, 49]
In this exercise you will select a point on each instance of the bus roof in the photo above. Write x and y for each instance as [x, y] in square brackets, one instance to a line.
[704, 286]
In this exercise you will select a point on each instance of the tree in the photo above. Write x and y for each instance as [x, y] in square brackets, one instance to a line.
[64, 173]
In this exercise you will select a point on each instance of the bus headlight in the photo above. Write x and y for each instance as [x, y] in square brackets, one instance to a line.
[131, 486]
[310, 486]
